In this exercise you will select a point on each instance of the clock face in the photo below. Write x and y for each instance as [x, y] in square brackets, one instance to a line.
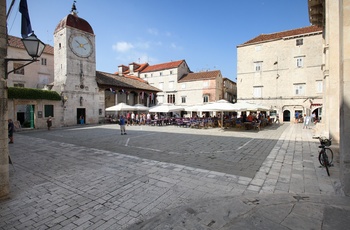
[80, 45]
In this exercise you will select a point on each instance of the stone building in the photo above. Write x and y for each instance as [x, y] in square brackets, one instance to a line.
[283, 71]
[200, 87]
[4, 151]
[38, 75]
[334, 18]
[70, 70]
[180, 85]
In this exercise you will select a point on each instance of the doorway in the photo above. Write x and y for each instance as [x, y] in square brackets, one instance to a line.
[21, 117]
[81, 116]
[286, 115]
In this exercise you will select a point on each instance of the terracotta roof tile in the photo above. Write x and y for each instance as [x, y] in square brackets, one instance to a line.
[16, 42]
[283, 34]
[200, 76]
[125, 82]
[162, 66]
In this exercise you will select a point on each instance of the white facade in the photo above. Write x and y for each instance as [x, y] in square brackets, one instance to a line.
[36, 75]
[284, 74]
[167, 81]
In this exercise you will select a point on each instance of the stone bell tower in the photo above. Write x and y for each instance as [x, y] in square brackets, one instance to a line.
[75, 70]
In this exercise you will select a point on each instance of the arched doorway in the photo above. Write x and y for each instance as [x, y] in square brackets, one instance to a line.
[286, 115]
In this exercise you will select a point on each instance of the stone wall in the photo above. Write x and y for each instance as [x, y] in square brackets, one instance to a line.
[4, 162]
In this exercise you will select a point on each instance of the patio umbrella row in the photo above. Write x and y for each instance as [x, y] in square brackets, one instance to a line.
[124, 107]
[220, 106]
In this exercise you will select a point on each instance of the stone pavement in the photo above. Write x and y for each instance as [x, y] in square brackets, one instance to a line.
[57, 184]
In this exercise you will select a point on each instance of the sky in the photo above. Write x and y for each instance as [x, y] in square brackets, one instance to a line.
[204, 33]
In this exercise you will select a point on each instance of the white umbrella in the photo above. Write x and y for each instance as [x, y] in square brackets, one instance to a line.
[165, 108]
[193, 108]
[140, 107]
[120, 107]
[251, 106]
[221, 105]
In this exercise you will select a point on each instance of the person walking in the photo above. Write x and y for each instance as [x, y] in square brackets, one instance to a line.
[49, 123]
[122, 125]
[11, 128]
[306, 122]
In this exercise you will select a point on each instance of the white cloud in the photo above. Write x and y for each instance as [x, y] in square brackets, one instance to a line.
[152, 31]
[134, 56]
[173, 45]
[123, 47]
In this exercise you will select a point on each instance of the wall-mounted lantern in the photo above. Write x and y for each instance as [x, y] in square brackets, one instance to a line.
[34, 48]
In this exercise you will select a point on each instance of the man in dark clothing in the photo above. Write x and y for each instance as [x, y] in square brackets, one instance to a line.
[11, 128]
[122, 125]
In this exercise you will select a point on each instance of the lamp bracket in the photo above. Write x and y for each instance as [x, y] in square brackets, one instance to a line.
[7, 60]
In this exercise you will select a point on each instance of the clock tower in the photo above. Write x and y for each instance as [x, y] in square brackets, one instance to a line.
[75, 70]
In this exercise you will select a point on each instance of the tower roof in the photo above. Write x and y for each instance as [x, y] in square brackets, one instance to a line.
[72, 20]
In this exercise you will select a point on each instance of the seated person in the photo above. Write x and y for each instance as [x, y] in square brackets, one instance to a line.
[250, 118]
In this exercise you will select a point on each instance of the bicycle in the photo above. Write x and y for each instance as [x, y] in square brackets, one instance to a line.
[325, 156]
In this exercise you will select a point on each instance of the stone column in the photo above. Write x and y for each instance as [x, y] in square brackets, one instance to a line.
[345, 96]
[4, 162]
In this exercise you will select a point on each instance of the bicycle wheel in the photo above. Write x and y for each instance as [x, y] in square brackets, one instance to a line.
[321, 156]
[326, 163]
[329, 154]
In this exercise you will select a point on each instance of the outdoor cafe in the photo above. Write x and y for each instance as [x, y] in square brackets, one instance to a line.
[220, 114]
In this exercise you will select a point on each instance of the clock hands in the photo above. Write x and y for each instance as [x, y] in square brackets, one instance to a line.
[81, 45]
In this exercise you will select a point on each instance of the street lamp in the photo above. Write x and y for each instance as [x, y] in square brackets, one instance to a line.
[34, 48]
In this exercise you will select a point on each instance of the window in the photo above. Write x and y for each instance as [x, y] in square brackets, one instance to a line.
[183, 86]
[183, 99]
[257, 66]
[145, 75]
[257, 91]
[43, 79]
[48, 110]
[299, 42]
[160, 73]
[19, 85]
[205, 98]
[299, 62]
[299, 89]
[18, 69]
[171, 84]
[319, 86]
[43, 61]
[161, 85]
[171, 98]
[171, 72]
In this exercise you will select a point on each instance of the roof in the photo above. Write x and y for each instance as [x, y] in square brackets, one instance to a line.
[200, 76]
[227, 79]
[163, 66]
[139, 68]
[72, 20]
[124, 82]
[283, 34]
[16, 42]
